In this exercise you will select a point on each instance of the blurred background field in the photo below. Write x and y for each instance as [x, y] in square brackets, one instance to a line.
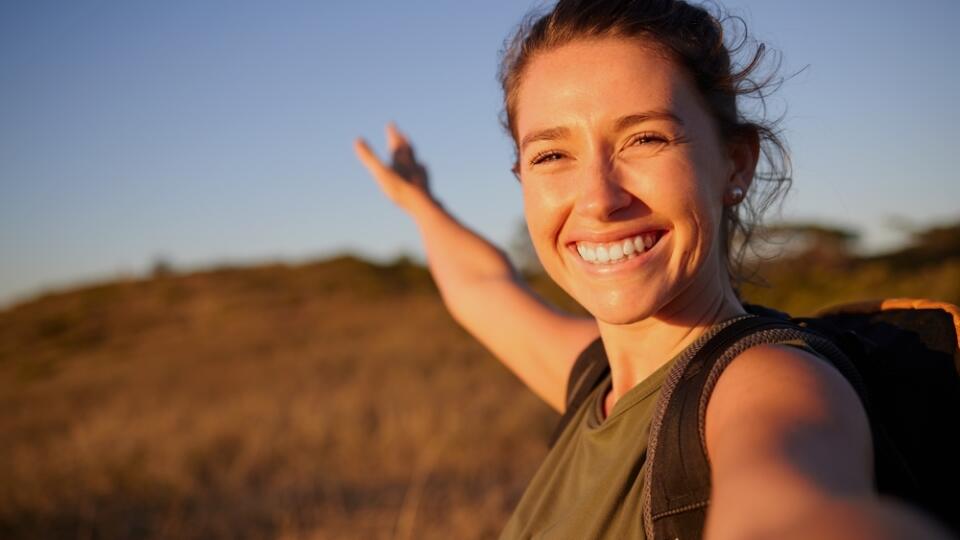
[334, 399]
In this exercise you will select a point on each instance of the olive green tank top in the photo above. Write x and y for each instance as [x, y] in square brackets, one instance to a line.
[590, 483]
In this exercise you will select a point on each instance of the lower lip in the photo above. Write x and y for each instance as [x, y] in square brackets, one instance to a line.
[625, 265]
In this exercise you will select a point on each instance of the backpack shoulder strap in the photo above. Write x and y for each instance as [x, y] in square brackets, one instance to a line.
[677, 478]
[587, 372]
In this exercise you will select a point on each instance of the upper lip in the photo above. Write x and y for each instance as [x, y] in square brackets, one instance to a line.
[604, 237]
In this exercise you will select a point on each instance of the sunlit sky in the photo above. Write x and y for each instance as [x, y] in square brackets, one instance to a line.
[219, 132]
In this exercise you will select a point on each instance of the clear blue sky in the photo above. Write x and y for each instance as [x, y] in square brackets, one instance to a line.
[205, 132]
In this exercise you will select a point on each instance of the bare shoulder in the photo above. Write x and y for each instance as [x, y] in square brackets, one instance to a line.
[788, 382]
[784, 429]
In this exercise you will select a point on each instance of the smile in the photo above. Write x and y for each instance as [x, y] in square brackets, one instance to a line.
[621, 250]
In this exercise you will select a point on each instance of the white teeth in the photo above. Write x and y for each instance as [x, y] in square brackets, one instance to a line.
[589, 254]
[617, 251]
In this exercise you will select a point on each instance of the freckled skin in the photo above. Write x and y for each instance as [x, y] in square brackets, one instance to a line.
[601, 178]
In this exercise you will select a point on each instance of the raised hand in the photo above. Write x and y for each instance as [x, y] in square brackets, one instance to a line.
[405, 179]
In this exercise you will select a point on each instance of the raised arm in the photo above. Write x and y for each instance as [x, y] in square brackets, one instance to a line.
[479, 286]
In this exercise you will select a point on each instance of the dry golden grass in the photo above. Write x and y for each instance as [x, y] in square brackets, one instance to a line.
[268, 402]
[330, 400]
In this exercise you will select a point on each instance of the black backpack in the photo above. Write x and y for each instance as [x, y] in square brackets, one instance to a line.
[902, 356]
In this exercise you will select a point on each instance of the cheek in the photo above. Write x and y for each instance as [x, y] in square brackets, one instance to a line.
[692, 200]
[537, 223]
[542, 210]
[708, 215]
[684, 192]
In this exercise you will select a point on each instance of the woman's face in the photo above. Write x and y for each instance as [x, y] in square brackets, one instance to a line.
[623, 174]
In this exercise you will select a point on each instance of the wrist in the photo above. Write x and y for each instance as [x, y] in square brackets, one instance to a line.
[422, 206]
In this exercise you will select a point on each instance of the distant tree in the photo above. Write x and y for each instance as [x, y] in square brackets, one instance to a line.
[814, 242]
[161, 267]
[521, 251]
[943, 240]
[927, 246]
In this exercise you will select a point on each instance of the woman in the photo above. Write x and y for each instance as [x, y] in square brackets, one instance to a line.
[637, 169]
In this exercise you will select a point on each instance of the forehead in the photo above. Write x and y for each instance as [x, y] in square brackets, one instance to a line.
[599, 79]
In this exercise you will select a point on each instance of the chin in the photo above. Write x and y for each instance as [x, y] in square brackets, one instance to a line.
[618, 315]
[618, 303]
[616, 307]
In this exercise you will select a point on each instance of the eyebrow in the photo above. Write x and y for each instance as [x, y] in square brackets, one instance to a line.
[549, 134]
[630, 120]
[624, 122]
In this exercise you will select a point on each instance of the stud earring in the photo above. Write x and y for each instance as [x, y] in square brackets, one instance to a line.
[735, 195]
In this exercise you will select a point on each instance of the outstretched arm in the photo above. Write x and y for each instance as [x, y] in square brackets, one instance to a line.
[791, 456]
[479, 286]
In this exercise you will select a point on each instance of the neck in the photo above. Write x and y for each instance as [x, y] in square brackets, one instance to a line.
[637, 350]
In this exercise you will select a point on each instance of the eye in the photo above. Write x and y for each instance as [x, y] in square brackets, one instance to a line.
[545, 157]
[647, 138]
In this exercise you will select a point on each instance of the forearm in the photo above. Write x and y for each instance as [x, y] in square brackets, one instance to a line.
[791, 456]
[484, 293]
[478, 284]
[457, 256]
[870, 517]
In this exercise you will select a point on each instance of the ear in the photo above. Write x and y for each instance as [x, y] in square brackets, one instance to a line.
[744, 152]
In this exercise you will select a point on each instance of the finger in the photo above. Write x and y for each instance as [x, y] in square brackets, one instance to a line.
[369, 158]
[395, 139]
[400, 147]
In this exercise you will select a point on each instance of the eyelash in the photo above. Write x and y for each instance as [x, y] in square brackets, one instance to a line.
[553, 155]
[542, 157]
[648, 136]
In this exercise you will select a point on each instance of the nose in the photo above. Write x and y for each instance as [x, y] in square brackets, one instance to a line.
[602, 193]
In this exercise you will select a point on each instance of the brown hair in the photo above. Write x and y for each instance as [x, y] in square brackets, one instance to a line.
[696, 40]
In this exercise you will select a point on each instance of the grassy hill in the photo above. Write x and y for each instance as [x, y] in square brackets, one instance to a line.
[328, 400]
[825, 272]
[331, 400]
